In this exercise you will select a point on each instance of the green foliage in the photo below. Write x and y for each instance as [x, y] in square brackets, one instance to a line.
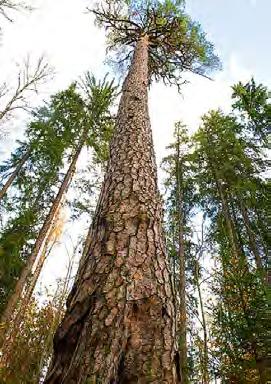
[86, 188]
[57, 129]
[222, 179]
[99, 97]
[176, 42]
[252, 101]
[229, 170]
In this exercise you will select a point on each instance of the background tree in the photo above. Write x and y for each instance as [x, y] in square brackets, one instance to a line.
[252, 102]
[228, 173]
[29, 349]
[17, 96]
[76, 122]
[9, 6]
[186, 247]
[179, 202]
[221, 176]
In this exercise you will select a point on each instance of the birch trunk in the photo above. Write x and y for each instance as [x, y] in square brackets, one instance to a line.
[119, 326]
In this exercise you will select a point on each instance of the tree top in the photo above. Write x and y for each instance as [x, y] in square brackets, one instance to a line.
[176, 42]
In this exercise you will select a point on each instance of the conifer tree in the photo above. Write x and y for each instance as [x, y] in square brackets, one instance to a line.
[178, 205]
[120, 320]
[228, 173]
[76, 122]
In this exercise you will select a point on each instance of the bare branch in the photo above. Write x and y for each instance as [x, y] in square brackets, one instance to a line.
[176, 43]
[29, 78]
[9, 5]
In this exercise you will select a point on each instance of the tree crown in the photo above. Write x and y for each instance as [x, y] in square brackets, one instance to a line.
[176, 42]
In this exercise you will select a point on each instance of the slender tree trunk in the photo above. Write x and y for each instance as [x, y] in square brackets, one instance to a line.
[45, 252]
[251, 236]
[120, 322]
[182, 326]
[264, 335]
[228, 220]
[238, 256]
[7, 347]
[26, 272]
[205, 373]
[14, 174]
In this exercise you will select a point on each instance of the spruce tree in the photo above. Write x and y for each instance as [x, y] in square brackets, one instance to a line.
[68, 124]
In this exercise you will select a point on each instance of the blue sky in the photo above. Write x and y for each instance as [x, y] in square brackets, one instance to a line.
[241, 27]
[65, 33]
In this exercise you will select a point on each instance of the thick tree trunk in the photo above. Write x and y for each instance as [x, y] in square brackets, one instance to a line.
[14, 174]
[182, 325]
[119, 325]
[26, 272]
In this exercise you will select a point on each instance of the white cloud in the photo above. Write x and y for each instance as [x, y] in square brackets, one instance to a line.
[237, 71]
[197, 98]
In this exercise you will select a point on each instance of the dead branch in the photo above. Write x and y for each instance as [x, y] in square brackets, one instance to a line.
[9, 5]
[29, 78]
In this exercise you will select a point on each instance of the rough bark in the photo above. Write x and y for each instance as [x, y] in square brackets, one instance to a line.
[182, 325]
[26, 272]
[14, 174]
[119, 325]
